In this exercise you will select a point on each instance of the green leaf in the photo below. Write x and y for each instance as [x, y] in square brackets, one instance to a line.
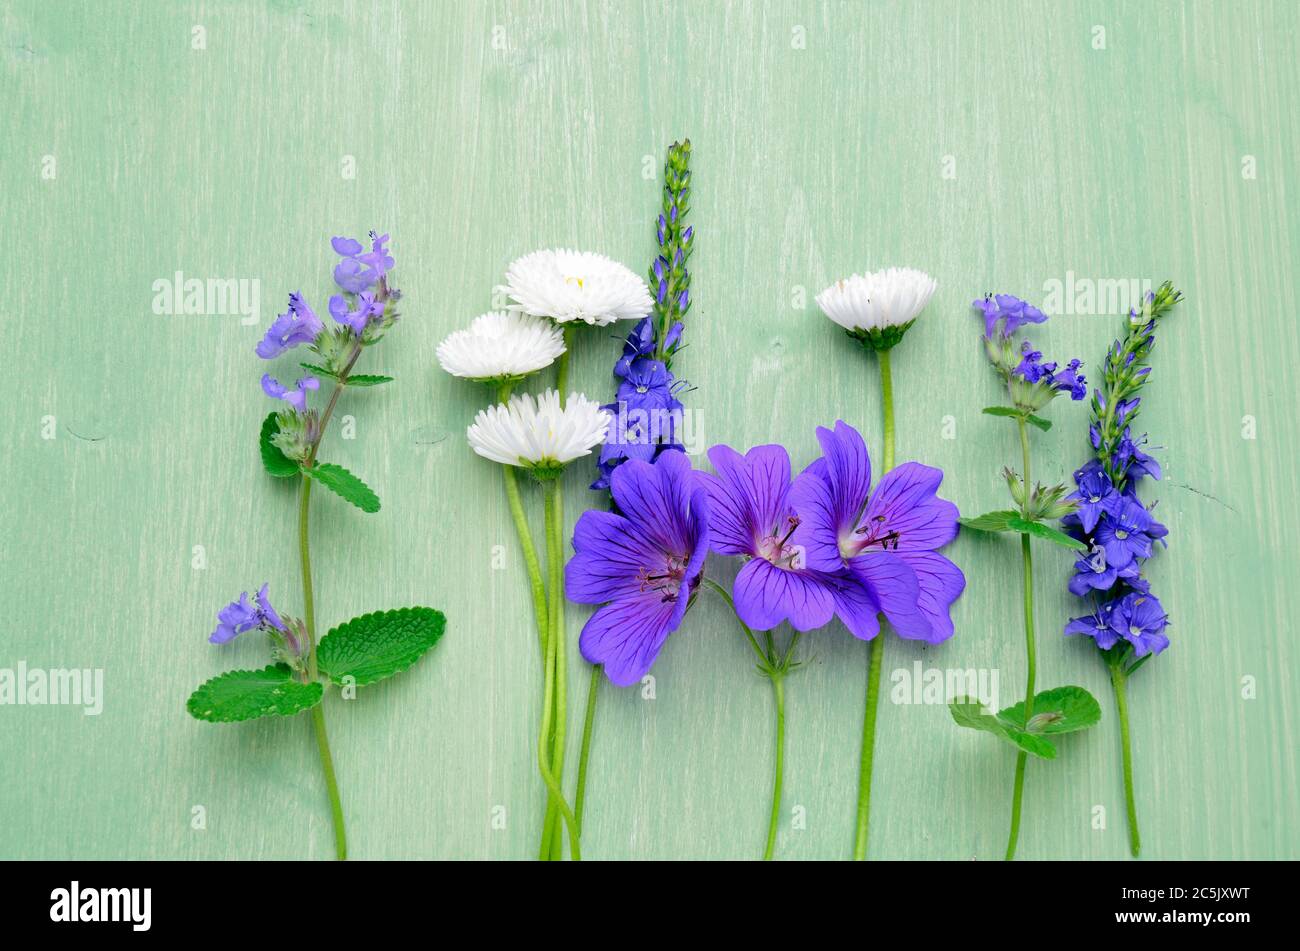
[378, 645]
[319, 371]
[999, 521]
[971, 714]
[1043, 424]
[1038, 529]
[368, 379]
[249, 694]
[276, 462]
[343, 483]
[1059, 710]
[1011, 411]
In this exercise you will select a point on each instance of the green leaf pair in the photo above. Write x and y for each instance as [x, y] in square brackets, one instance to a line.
[1059, 710]
[1007, 520]
[362, 651]
[1030, 418]
[334, 477]
[356, 379]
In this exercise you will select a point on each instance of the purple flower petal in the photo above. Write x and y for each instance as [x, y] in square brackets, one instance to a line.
[905, 507]
[940, 583]
[766, 595]
[894, 586]
[626, 636]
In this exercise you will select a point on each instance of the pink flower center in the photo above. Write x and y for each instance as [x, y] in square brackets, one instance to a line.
[872, 533]
[668, 581]
[777, 549]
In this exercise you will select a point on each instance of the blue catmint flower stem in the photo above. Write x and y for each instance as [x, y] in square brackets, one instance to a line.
[1031, 653]
[309, 614]
[877, 650]
[1119, 680]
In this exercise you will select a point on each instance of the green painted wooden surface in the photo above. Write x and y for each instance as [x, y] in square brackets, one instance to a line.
[1123, 162]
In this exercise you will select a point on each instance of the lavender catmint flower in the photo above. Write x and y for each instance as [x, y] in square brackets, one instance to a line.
[296, 326]
[297, 397]
[240, 616]
[1031, 382]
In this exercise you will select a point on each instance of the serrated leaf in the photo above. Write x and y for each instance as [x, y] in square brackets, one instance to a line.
[249, 694]
[1043, 424]
[368, 379]
[999, 521]
[1039, 530]
[344, 484]
[275, 461]
[319, 371]
[1012, 412]
[1059, 710]
[972, 715]
[374, 646]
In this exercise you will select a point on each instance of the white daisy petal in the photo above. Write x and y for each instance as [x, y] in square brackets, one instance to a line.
[576, 285]
[876, 301]
[538, 432]
[501, 346]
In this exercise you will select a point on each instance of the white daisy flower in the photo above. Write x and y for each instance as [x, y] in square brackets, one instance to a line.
[881, 305]
[576, 285]
[499, 346]
[537, 433]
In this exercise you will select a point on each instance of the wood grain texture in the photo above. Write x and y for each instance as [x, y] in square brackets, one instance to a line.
[809, 163]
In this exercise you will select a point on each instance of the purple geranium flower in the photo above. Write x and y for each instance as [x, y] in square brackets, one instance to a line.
[295, 326]
[880, 545]
[1139, 619]
[751, 516]
[297, 398]
[1095, 494]
[643, 565]
[240, 616]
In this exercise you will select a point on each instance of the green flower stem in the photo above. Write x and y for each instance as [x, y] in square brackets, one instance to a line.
[778, 689]
[1031, 654]
[877, 650]
[550, 832]
[554, 651]
[562, 365]
[580, 795]
[555, 561]
[309, 614]
[540, 607]
[775, 669]
[531, 562]
[1119, 679]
